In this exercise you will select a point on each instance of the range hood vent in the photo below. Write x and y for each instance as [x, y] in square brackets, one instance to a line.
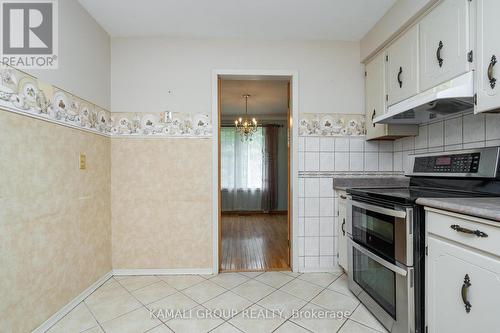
[450, 97]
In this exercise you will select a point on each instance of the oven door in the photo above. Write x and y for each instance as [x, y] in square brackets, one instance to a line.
[386, 232]
[386, 289]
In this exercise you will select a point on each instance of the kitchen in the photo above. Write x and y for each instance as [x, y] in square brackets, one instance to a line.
[110, 168]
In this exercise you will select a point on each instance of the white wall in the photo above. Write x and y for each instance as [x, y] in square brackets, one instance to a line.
[396, 19]
[144, 69]
[84, 56]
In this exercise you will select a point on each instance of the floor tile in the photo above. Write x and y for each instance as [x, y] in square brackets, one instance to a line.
[252, 274]
[274, 279]
[302, 289]
[226, 328]
[110, 308]
[96, 329]
[110, 289]
[327, 324]
[136, 282]
[333, 300]
[177, 301]
[136, 321]
[181, 282]
[290, 327]
[340, 285]
[354, 327]
[154, 292]
[320, 279]
[227, 305]
[229, 280]
[294, 274]
[253, 290]
[256, 319]
[363, 316]
[204, 291]
[77, 320]
[160, 329]
[195, 324]
[282, 302]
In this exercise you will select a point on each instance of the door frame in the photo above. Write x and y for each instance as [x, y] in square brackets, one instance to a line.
[293, 160]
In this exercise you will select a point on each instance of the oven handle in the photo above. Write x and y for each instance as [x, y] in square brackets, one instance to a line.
[381, 210]
[385, 263]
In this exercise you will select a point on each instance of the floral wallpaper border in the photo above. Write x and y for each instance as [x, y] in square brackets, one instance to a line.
[331, 124]
[24, 94]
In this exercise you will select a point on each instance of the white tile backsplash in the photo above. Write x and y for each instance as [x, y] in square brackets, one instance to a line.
[459, 131]
[318, 216]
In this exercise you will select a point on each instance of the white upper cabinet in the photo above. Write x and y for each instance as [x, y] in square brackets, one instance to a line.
[375, 95]
[402, 67]
[487, 55]
[444, 43]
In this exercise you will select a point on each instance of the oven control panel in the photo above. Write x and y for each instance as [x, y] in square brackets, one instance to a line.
[475, 163]
[456, 163]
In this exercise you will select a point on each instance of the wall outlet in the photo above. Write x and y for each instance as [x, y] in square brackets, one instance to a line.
[83, 162]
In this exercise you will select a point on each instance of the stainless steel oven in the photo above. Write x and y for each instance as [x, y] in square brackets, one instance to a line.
[380, 267]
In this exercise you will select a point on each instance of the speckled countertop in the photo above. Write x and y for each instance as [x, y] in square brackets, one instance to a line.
[341, 183]
[486, 208]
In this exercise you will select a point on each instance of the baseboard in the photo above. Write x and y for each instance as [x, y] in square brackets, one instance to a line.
[72, 304]
[163, 271]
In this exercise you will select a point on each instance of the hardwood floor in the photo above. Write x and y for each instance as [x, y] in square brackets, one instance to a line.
[254, 242]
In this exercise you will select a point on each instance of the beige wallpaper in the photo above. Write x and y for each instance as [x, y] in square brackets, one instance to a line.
[161, 203]
[55, 232]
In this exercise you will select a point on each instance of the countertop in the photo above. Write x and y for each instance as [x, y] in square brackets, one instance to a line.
[342, 183]
[486, 208]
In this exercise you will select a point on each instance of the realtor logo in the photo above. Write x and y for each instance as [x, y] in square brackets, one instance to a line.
[29, 33]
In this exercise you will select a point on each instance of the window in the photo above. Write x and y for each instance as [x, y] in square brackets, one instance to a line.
[241, 161]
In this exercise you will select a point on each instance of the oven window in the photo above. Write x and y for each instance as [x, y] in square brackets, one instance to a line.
[375, 231]
[376, 280]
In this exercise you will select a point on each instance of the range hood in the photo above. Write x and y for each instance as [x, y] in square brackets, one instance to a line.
[449, 97]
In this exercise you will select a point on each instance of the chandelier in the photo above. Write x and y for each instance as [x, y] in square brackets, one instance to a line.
[245, 126]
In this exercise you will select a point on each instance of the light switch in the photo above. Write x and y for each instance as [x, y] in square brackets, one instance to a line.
[83, 162]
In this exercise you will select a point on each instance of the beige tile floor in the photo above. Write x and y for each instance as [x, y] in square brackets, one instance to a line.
[220, 304]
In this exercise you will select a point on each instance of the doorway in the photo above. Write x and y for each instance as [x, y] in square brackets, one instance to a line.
[254, 173]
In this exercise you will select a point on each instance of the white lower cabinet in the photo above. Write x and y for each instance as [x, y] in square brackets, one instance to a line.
[462, 279]
[341, 229]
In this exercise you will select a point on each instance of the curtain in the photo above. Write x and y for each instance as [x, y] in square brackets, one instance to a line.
[249, 170]
[269, 169]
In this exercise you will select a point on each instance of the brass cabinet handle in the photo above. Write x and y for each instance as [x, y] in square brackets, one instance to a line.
[492, 80]
[343, 227]
[399, 77]
[465, 292]
[373, 116]
[438, 54]
[478, 233]
[343, 196]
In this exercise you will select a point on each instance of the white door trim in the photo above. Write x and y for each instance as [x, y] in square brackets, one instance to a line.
[293, 74]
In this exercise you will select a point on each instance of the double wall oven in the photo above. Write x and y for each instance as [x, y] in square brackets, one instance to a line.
[386, 232]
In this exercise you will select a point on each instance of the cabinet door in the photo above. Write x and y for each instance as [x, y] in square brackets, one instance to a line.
[448, 266]
[402, 67]
[444, 43]
[487, 55]
[342, 235]
[375, 96]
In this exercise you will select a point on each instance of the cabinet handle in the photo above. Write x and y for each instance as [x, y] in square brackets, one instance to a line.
[492, 80]
[458, 228]
[373, 116]
[399, 77]
[343, 197]
[465, 292]
[438, 54]
[343, 227]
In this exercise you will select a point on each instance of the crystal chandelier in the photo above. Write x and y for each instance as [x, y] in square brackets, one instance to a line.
[245, 126]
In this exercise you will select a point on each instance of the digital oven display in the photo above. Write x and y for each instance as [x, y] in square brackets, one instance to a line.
[443, 161]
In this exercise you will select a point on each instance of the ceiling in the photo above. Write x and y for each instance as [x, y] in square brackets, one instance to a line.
[268, 98]
[262, 19]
